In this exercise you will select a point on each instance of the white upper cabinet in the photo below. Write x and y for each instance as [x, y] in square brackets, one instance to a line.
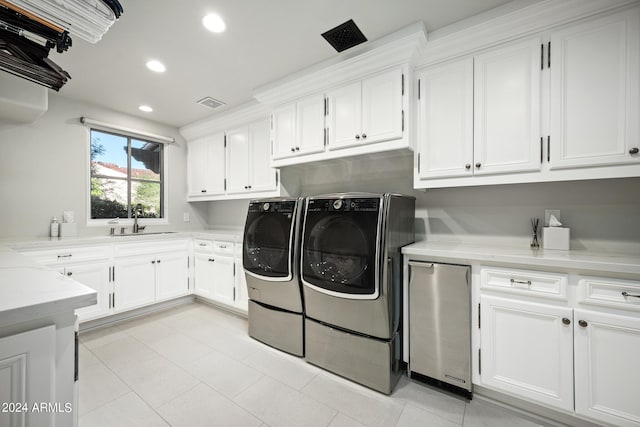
[298, 128]
[382, 113]
[367, 111]
[481, 115]
[445, 125]
[283, 136]
[310, 132]
[206, 166]
[595, 92]
[248, 153]
[507, 109]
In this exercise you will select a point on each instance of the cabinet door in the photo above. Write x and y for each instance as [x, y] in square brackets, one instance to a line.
[215, 164]
[310, 125]
[197, 165]
[262, 177]
[242, 295]
[595, 92]
[204, 274]
[238, 160]
[283, 133]
[345, 116]
[382, 107]
[135, 282]
[527, 350]
[95, 276]
[223, 280]
[172, 275]
[445, 120]
[606, 363]
[507, 109]
[28, 376]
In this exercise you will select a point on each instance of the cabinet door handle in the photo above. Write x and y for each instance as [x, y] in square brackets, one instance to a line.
[69, 273]
[467, 166]
[211, 260]
[521, 282]
[203, 191]
[364, 136]
[582, 323]
[357, 136]
[153, 262]
[297, 148]
[158, 261]
[65, 256]
[566, 321]
[478, 164]
[293, 149]
[627, 294]
[634, 150]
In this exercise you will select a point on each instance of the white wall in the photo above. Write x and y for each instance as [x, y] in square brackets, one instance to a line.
[43, 170]
[602, 214]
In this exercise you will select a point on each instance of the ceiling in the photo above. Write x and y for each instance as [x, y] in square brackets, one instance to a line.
[265, 40]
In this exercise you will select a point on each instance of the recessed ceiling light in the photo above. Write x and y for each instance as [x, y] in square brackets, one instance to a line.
[145, 108]
[156, 66]
[214, 23]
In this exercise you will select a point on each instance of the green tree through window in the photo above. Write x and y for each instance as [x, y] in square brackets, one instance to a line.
[125, 172]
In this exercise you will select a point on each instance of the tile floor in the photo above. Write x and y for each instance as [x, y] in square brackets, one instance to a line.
[195, 365]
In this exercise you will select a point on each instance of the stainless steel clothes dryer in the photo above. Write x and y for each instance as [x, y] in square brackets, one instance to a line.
[351, 274]
[269, 256]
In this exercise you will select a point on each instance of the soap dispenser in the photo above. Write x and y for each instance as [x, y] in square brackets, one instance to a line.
[55, 227]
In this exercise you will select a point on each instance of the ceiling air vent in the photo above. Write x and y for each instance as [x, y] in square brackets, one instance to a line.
[344, 36]
[210, 102]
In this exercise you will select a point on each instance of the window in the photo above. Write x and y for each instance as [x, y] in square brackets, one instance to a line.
[126, 177]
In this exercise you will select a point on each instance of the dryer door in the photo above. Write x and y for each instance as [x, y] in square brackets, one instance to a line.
[268, 240]
[339, 248]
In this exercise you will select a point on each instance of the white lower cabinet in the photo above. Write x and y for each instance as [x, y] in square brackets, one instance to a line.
[223, 289]
[144, 273]
[527, 350]
[134, 283]
[95, 275]
[218, 273]
[27, 377]
[578, 354]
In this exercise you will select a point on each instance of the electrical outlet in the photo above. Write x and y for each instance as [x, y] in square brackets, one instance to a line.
[185, 217]
[548, 213]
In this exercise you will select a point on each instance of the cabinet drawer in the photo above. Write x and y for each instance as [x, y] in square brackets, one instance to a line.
[223, 247]
[59, 256]
[609, 293]
[524, 282]
[152, 247]
[203, 246]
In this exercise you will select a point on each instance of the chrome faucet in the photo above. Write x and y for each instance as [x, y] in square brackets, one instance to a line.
[137, 211]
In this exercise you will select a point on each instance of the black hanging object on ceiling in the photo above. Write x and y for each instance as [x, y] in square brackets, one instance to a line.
[344, 36]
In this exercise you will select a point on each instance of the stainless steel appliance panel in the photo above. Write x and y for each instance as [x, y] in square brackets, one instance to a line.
[279, 329]
[370, 362]
[377, 317]
[440, 322]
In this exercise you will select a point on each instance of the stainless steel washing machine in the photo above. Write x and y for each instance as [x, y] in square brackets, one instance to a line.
[269, 256]
[351, 274]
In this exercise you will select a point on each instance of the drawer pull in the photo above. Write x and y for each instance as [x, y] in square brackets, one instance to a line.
[69, 273]
[521, 282]
[211, 260]
[202, 244]
[582, 323]
[65, 256]
[223, 246]
[626, 294]
[566, 321]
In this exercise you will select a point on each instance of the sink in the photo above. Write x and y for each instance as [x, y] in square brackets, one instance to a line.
[152, 233]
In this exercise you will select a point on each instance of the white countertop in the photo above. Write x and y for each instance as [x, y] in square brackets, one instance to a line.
[30, 291]
[49, 242]
[582, 260]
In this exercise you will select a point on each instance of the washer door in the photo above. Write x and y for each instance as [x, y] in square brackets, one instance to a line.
[267, 244]
[339, 253]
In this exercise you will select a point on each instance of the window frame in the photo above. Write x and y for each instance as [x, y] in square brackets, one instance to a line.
[164, 193]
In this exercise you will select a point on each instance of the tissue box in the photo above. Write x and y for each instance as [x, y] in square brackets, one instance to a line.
[555, 238]
[68, 229]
